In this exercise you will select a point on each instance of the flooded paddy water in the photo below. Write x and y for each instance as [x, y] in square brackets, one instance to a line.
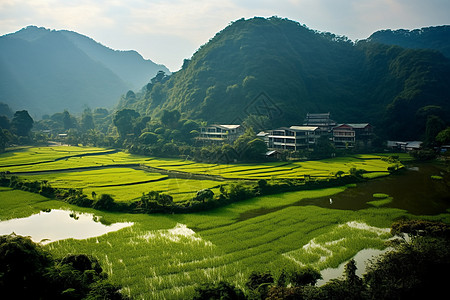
[420, 189]
[56, 224]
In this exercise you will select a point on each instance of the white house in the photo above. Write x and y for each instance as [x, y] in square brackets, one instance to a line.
[220, 133]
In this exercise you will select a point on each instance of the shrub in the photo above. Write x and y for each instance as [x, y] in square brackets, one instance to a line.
[105, 202]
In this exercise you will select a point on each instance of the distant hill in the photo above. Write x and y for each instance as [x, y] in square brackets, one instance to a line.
[433, 38]
[46, 71]
[280, 68]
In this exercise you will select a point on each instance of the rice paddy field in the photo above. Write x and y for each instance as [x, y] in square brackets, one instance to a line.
[164, 256]
[126, 177]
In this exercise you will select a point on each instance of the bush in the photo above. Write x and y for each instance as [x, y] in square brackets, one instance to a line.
[105, 202]
[423, 154]
[29, 272]
[221, 290]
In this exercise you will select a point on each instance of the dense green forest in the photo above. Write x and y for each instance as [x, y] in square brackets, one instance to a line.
[282, 69]
[434, 38]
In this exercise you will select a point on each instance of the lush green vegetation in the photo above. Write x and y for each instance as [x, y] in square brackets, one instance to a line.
[29, 272]
[224, 80]
[434, 38]
[83, 173]
[165, 256]
[412, 270]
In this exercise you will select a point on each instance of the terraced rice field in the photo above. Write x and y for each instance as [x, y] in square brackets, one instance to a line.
[106, 171]
[166, 256]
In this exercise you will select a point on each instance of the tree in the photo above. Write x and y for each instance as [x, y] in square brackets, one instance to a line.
[433, 127]
[3, 140]
[139, 124]
[22, 267]
[124, 121]
[248, 147]
[205, 194]
[170, 118]
[67, 120]
[21, 123]
[256, 122]
[221, 290]
[417, 268]
[87, 121]
[305, 276]
[4, 122]
[105, 202]
[443, 137]
[256, 150]
[148, 138]
[259, 284]
[323, 148]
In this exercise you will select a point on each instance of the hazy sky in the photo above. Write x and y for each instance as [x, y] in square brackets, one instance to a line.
[168, 31]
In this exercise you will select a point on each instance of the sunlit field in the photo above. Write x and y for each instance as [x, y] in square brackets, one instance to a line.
[166, 256]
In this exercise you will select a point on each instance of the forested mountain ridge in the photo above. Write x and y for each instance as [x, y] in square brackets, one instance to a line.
[433, 38]
[283, 69]
[46, 71]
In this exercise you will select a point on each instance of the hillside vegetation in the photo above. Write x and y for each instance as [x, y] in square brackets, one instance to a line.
[282, 69]
[434, 38]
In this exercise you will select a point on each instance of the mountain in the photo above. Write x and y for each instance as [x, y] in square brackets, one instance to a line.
[432, 38]
[46, 71]
[282, 69]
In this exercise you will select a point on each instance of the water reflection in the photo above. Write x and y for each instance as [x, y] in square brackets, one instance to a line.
[412, 189]
[54, 225]
[362, 259]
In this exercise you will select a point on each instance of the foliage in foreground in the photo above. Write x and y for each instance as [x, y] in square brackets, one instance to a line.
[29, 272]
[415, 269]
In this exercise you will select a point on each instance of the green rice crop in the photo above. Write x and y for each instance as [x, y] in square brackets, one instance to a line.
[165, 256]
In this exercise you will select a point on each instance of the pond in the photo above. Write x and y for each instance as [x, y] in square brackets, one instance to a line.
[46, 227]
[420, 189]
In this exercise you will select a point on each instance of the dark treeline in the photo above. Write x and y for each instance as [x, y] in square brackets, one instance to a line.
[27, 271]
[416, 269]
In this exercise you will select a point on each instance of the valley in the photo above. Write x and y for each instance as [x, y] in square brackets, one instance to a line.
[163, 256]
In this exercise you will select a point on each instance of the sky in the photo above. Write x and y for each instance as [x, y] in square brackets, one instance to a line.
[169, 31]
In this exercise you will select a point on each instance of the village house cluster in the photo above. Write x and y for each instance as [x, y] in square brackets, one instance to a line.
[298, 137]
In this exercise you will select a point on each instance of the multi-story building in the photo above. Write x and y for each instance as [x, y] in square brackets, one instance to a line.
[348, 135]
[220, 133]
[323, 121]
[292, 138]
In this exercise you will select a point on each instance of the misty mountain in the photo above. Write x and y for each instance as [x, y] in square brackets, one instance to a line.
[46, 71]
[432, 38]
[282, 69]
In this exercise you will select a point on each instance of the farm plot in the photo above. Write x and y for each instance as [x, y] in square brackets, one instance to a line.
[42, 154]
[24, 161]
[278, 170]
[164, 257]
[180, 189]
[126, 184]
